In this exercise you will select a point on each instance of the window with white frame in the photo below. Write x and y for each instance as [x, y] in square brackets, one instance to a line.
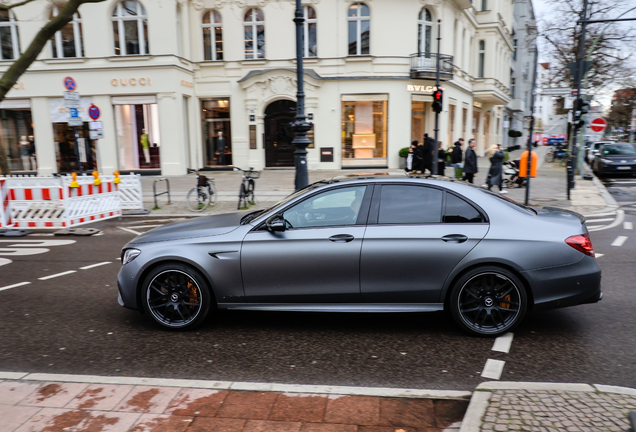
[359, 21]
[130, 28]
[9, 42]
[309, 35]
[212, 36]
[482, 59]
[424, 31]
[254, 24]
[68, 41]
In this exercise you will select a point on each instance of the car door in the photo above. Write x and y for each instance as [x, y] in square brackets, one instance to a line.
[415, 237]
[317, 258]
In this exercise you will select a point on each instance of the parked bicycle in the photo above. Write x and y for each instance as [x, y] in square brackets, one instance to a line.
[557, 153]
[246, 191]
[203, 194]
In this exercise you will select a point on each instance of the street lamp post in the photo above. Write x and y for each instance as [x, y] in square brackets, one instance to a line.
[436, 147]
[300, 125]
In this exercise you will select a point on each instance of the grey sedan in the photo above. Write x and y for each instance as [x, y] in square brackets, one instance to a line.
[373, 243]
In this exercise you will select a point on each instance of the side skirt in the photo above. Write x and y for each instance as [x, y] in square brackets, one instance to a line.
[331, 307]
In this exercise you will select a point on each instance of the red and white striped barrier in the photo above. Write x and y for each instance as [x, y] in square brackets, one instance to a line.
[5, 205]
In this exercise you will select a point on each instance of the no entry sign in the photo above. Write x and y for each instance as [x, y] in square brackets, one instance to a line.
[598, 124]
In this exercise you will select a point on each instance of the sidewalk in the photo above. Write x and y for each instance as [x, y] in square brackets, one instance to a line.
[547, 189]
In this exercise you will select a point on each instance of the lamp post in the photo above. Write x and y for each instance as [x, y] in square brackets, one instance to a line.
[436, 147]
[300, 125]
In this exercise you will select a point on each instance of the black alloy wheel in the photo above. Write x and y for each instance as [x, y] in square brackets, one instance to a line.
[488, 301]
[176, 297]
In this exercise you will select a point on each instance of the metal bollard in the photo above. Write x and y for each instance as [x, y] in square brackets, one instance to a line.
[167, 191]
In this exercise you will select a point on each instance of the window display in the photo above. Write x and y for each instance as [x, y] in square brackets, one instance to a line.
[364, 129]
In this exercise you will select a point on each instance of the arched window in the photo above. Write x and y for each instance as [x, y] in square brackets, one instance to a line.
[130, 28]
[359, 29]
[254, 25]
[482, 58]
[9, 41]
[68, 41]
[424, 31]
[309, 27]
[212, 36]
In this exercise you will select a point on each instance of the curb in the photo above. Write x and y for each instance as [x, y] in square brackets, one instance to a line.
[481, 397]
[609, 199]
[243, 386]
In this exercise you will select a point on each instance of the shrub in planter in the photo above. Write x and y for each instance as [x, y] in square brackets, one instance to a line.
[404, 152]
[514, 133]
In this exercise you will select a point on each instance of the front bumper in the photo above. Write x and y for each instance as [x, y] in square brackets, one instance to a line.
[127, 283]
[619, 169]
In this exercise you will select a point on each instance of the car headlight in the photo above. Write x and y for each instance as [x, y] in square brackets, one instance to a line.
[607, 161]
[129, 255]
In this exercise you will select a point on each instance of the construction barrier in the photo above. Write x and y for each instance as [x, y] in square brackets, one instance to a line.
[5, 205]
[130, 192]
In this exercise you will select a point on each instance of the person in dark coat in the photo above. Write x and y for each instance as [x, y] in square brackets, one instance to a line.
[456, 155]
[429, 154]
[470, 162]
[418, 157]
[495, 176]
[441, 158]
[410, 157]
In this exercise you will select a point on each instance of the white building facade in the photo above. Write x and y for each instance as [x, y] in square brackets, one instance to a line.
[212, 84]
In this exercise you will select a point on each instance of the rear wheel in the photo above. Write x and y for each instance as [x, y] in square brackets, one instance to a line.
[549, 157]
[176, 296]
[488, 301]
[198, 199]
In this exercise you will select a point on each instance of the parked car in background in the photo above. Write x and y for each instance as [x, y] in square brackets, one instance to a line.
[615, 159]
[592, 150]
[367, 243]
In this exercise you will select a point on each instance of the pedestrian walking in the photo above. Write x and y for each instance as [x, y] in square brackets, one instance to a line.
[409, 157]
[429, 154]
[441, 159]
[495, 177]
[456, 157]
[418, 157]
[470, 162]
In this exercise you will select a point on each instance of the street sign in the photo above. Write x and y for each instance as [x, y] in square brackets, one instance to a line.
[69, 84]
[95, 125]
[75, 121]
[93, 112]
[598, 124]
[71, 99]
[96, 134]
[73, 112]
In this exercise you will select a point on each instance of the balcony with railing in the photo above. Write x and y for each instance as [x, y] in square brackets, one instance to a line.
[424, 66]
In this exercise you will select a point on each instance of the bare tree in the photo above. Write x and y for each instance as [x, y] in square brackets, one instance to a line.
[611, 61]
[623, 105]
[11, 76]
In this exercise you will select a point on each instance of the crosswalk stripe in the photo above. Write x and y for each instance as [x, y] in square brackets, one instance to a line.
[620, 240]
[628, 225]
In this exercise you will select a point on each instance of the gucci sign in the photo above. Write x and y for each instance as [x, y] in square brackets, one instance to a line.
[130, 81]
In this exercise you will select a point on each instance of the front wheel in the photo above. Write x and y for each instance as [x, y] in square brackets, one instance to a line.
[198, 199]
[549, 157]
[488, 301]
[176, 296]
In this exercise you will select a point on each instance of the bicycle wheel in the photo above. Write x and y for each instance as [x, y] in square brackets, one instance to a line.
[242, 203]
[198, 199]
[250, 191]
[549, 157]
[212, 193]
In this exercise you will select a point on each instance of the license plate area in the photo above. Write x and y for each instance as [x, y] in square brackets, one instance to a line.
[623, 167]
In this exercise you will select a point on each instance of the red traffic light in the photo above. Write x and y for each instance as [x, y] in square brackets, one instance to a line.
[437, 95]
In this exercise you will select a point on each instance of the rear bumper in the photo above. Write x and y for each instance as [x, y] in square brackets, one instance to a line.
[564, 286]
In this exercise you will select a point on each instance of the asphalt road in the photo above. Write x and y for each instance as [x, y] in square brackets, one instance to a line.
[72, 324]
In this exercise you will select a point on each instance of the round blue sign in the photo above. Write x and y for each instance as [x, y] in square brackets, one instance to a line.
[93, 112]
[69, 84]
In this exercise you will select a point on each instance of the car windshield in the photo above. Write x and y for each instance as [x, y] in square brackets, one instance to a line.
[619, 150]
[251, 216]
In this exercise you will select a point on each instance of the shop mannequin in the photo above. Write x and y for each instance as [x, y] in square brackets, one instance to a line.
[220, 146]
[25, 154]
[145, 146]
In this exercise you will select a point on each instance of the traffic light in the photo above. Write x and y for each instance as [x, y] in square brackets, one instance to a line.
[438, 98]
[581, 107]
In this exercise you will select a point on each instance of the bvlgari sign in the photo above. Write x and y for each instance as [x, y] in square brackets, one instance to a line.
[421, 88]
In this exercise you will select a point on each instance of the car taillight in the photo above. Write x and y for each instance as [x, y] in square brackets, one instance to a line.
[581, 243]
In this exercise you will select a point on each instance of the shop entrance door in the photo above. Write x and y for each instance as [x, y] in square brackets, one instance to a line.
[279, 150]
[138, 136]
[69, 157]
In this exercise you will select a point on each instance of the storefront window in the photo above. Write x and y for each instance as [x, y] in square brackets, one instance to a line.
[71, 151]
[364, 129]
[138, 136]
[476, 127]
[16, 139]
[418, 120]
[217, 132]
[487, 130]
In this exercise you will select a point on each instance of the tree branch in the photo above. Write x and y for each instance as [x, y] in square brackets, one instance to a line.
[5, 7]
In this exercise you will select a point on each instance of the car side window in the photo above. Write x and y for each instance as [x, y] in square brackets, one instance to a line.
[410, 204]
[459, 211]
[331, 208]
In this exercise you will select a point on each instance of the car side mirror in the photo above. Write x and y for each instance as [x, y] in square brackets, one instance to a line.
[275, 223]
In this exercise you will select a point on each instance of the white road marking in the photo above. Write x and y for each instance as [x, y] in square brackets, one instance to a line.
[129, 230]
[5, 261]
[42, 234]
[37, 243]
[620, 215]
[95, 265]
[493, 369]
[598, 255]
[628, 225]
[592, 227]
[602, 220]
[619, 241]
[600, 214]
[503, 343]
[14, 286]
[145, 226]
[22, 252]
[57, 275]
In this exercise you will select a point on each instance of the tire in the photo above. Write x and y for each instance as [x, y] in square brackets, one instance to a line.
[176, 297]
[488, 301]
[242, 203]
[198, 199]
[251, 185]
[212, 192]
[549, 157]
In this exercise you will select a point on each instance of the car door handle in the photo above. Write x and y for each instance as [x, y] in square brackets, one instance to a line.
[457, 238]
[342, 238]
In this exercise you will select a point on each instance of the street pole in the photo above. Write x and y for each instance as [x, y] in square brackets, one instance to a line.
[436, 147]
[300, 125]
[531, 130]
[580, 66]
